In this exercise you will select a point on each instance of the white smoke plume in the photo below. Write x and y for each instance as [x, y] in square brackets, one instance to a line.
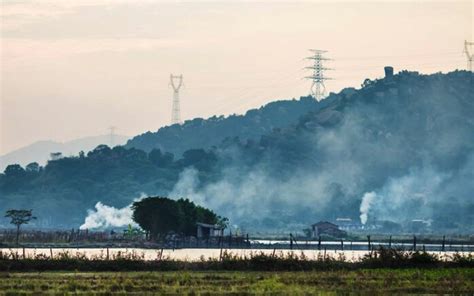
[254, 196]
[367, 201]
[410, 196]
[105, 216]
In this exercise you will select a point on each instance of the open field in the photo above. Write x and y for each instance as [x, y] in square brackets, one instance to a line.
[374, 281]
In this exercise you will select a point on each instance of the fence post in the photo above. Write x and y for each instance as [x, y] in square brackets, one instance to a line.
[108, 254]
[443, 244]
[414, 243]
[291, 241]
[368, 243]
[342, 245]
[390, 242]
[319, 242]
[24, 257]
[51, 253]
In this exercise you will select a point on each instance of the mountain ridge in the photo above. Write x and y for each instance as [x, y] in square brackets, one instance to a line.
[39, 151]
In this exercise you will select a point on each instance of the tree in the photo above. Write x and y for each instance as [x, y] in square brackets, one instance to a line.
[160, 215]
[14, 170]
[157, 216]
[32, 167]
[160, 159]
[19, 217]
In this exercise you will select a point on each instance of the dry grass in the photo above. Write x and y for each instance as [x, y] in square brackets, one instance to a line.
[373, 281]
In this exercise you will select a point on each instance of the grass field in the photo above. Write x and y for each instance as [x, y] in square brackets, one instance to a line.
[365, 281]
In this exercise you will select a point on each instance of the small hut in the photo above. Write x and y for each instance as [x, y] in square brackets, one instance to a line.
[209, 230]
[326, 228]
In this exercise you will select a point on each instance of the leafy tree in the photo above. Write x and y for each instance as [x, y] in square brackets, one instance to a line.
[194, 213]
[190, 216]
[157, 216]
[32, 167]
[199, 158]
[160, 159]
[160, 215]
[19, 217]
[14, 170]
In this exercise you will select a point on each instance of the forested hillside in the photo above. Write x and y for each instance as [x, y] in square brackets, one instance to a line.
[397, 150]
[205, 133]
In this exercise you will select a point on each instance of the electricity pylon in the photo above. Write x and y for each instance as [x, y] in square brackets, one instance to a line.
[112, 136]
[469, 55]
[318, 89]
[176, 81]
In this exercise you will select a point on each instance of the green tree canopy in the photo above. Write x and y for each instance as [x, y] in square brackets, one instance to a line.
[19, 217]
[161, 215]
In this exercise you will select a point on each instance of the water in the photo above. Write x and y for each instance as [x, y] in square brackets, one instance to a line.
[190, 254]
[360, 245]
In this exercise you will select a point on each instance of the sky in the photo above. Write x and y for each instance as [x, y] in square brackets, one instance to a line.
[70, 69]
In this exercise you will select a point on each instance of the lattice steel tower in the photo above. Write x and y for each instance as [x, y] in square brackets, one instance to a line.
[176, 81]
[318, 89]
[469, 54]
[112, 136]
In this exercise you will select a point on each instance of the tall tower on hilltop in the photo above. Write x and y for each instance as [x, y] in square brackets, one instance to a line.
[112, 136]
[176, 81]
[318, 89]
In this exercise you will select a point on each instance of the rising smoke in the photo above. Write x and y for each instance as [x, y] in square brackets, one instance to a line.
[367, 201]
[104, 216]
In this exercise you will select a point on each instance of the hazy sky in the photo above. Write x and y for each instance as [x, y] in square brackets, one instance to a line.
[74, 68]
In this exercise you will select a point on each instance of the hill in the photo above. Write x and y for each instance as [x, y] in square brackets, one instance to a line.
[206, 133]
[39, 151]
[395, 155]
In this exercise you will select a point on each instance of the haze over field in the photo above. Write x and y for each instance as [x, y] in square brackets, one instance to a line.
[71, 69]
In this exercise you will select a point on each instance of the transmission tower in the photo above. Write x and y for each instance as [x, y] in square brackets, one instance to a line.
[112, 136]
[176, 81]
[318, 89]
[469, 54]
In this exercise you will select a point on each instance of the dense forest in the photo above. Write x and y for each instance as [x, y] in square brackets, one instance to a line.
[398, 149]
[206, 133]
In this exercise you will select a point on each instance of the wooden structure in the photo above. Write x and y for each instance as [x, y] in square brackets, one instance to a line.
[209, 230]
[326, 228]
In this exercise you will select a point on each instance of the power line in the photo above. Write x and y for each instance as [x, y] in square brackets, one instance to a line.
[469, 55]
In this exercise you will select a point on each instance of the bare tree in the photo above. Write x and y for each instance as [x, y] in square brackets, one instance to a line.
[19, 217]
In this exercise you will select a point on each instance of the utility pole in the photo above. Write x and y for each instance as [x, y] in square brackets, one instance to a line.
[469, 54]
[176, 81]
[112, 136]
[318, 89]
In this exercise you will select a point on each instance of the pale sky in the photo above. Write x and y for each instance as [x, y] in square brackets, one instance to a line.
[71, 69]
